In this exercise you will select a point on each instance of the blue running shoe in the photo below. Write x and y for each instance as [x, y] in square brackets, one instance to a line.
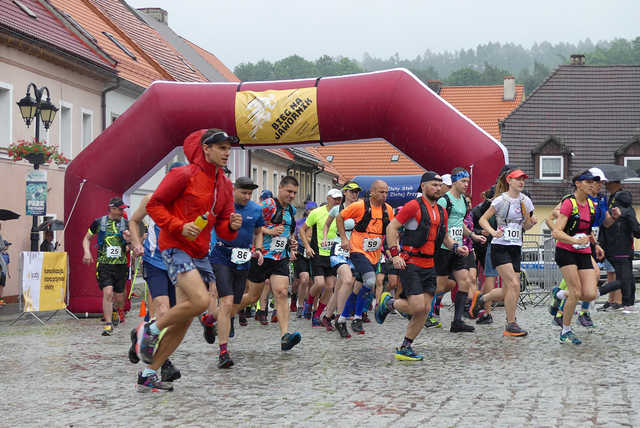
[555, 304]
[147, 342]
[315, 322]
[383, 309]
[289, 340]
[570, 337]
[152, 384]
[306, 313]
[406, 353]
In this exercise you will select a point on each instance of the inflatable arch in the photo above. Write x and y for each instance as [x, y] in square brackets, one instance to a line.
[393, 105]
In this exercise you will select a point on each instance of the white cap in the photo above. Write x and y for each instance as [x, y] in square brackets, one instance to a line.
[597, 172]
[335, 193]
[446, 179]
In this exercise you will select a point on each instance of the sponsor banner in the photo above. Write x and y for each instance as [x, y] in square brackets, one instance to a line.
[36, 192]
[277, 116]
[44, 281]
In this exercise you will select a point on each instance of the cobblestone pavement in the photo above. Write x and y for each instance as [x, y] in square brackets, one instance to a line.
[66, 374]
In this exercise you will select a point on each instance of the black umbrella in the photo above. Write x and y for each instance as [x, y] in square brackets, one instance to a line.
[617, 172]
[8, 215]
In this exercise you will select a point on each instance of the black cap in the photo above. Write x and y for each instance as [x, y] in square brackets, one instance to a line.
[215, 135]
[117, 203]
[586, 175]
[245, 183]
[429, 176]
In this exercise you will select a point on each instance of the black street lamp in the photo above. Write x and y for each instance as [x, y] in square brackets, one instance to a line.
[41, 110]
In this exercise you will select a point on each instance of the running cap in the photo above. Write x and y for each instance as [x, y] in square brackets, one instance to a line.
[446, 179]
[517, 173]
[310, 205]
[597, 172]
[430, 176]
[245, 183]
[266, 194]
[585, 175]
[352, 185]
[117, 203]
[335, 193]
[7, 243]
[215, 135]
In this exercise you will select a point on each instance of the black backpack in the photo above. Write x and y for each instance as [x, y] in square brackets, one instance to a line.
[278, 216]
[417, 238]
[362, 225]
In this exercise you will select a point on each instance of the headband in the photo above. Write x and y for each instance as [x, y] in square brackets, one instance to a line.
[459, 176]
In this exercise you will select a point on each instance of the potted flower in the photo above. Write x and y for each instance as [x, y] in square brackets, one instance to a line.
[36, 152]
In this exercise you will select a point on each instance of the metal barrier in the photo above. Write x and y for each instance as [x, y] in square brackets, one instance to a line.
[540, 273]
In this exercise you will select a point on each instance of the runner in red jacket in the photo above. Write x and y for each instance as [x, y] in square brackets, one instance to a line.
[186, 196]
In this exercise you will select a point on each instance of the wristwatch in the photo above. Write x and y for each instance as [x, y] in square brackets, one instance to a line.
[455, 248]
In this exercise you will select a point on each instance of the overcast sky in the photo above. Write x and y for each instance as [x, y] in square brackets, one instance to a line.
[250, 30]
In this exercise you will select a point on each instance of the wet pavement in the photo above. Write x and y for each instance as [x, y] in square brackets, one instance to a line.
[67, 374]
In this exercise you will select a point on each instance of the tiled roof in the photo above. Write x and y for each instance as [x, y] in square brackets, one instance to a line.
[328, 166]
[48, 29]
[284, 154]
[368, 158]
[139, 71]
[483, 104]
[149, 40]
[214, 61]
[592, 110]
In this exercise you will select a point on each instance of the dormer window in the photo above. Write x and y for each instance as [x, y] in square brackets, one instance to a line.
[629, 155]
[551, 159]
[395, 158]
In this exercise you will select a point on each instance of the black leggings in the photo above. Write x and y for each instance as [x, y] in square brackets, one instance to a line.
[624, 280]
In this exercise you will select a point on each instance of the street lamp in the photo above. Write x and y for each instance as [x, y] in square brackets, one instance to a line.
[41, 110]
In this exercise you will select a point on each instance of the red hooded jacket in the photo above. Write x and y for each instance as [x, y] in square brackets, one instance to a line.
[185, 193]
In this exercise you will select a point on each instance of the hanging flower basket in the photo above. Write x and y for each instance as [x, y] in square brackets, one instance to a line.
[36, 152]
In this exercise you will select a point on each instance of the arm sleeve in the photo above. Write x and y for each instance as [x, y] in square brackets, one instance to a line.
[223, 212]
[407, 212]
[94, 227]
[168, 191]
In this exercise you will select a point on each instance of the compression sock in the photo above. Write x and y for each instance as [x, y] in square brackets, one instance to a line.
[349, 306]
[585, 306]
[406, 342]
[460, 300]
[321, 307]
[223, 348]
[361, 300]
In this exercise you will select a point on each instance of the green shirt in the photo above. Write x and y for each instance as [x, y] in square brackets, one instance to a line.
[456, 216]
[112, 251]
[316, 220]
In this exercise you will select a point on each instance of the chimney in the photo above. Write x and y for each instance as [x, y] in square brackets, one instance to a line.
[577, 59]
[509, 88]
[435, 85]
[156, 13]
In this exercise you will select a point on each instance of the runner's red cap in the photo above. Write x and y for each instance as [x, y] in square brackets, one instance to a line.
[518, 173]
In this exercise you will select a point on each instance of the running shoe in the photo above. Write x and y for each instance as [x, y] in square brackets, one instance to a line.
[315, 322]
[557, 320]
[289, 340]
[356, 326]
[476, 305]
[208, 330]
[383, 309]
[342, 329]
[225, 361]
[585, 319]
[242, 318]
[133, 356]
[630, 310]
[306, 313]
[326, 322]
[406, 316]
[603, 308]
[299, 313]
[232, 328]
[115, 319]
[152, 384]
[432, 322]
[292, 306]
[274, 316]
[514, 330]
[485, 318]
[617, 307]
[261, 316]
[147, 342]
[365, 317]
[461, 327]
[169, 372]
[406, 353]
[555, 303]
[569, 337]
[107, 330]
[121, 315]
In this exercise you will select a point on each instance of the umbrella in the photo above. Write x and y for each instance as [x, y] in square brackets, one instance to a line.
[8, 215]
[617, 172]
[51, 224]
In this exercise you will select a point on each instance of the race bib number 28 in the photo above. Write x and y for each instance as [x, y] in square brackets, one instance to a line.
[278, 244]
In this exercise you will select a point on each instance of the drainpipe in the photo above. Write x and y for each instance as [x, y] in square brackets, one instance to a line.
[314, 180]
[104, 102]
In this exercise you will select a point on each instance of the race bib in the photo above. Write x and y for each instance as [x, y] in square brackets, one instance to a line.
[513, 233]
[240, 256]
[278, 244]
[114, 252]
[371, 244]
[456, 234]
[326, 247]
[596, 231]
[578, 246]
[305, 254]
[383, 259]
[340, 252]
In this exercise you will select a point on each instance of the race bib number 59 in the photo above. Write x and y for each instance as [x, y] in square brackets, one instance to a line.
[371, 244]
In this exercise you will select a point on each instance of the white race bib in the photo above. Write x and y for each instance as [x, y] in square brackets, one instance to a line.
[305, 254]
[596, 231]
[340, 252]
[114, 252]
[240, 256]
[326, 247]
[278, 244]
[456, 234]
[513, 233]
[577, 246]
[371, 244]
[383, 258]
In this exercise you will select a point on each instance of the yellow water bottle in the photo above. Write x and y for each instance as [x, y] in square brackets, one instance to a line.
[201, 222]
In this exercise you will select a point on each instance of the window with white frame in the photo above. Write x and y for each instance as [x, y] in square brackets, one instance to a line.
[65, 129]
[87, 128]
[265, 185]
[6, 119]
[275, 181]
[551, 167]
[633, 162]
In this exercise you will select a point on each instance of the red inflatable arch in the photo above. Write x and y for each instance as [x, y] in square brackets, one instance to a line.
[393, 105]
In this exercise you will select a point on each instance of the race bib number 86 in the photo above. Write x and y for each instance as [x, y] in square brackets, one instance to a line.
[240, 255]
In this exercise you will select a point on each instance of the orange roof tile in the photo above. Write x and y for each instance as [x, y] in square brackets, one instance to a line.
[280, 152]
[214, 61]
[328, 166]
[483, 104]
[139, 71]
[348, 159]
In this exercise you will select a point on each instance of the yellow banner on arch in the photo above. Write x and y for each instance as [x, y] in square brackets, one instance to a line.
[277, 116]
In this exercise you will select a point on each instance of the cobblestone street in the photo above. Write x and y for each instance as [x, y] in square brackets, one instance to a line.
[66, 374]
